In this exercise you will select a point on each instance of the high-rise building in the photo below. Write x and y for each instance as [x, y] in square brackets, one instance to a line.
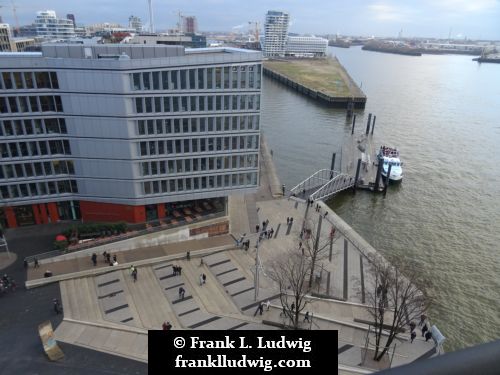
[71, 17]
[50, 27]
[275, 33]
[135, 23]
[5, 38]
[125, 132]
[189, 25]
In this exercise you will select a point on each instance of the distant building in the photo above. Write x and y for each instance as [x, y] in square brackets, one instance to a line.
[275, 33]
[189, 25]
[24, 45]
[48, 26]
[5, 38]
[306, 46]
[72, 18]
[135, 23]
[9, 44]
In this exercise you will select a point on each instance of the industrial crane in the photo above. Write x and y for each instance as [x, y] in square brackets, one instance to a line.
[256, 25]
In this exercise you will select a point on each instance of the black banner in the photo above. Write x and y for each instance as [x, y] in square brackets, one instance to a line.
[249, 352]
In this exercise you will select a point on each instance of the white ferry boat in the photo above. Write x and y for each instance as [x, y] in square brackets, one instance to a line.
[390, 156]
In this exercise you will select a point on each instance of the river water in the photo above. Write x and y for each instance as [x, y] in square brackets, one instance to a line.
[443, 113]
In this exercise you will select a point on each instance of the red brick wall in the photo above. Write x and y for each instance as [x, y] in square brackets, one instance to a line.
[109, 212]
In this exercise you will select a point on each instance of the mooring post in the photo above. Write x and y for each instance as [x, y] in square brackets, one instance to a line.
[387, 179]
[379, 172]
[332, 167]
[357, 174]
[353, 124]
[368, 124]
[373, 124]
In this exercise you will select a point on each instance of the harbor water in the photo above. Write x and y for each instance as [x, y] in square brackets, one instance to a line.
[443, 113]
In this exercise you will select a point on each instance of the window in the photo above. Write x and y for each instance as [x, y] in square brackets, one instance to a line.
[143, 149]
[174, 76]
[18, 80]
[164, 78]
[47, 103]
[156, 80]
[226, 77]
[42, 80]
[7, 80]
[146, 81]
[184, 104]
[23, 104]
[138, 105]
[183, 79]
[28, 80]
[192, 79]
[201, 103]
[234, 78]
[166, 104]
[201, 79]
[148, 104]
[43, 148]
[136, 81]
[145, 169]
[3, 105]
[59, 107]
[151, 127]
[13, 104]
[53, 80]
[13, 150]
[140, 127]
[218, 77]
[210, 81]
[193, 103]
[158, 104]
[34, 104]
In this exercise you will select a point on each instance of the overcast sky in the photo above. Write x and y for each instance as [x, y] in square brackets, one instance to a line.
[434, 18]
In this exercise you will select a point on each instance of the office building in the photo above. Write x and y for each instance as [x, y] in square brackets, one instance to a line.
[125, 132]
[306, 46]
[135, 23]
[48, 26]
[275, 33]
[71, 17]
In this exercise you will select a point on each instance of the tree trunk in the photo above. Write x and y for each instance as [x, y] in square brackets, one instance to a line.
[313, 261]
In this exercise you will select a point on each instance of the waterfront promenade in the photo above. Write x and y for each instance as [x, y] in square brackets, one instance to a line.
[107, 311]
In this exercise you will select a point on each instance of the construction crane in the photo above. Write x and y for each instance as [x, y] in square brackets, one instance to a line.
[256, 25]
[14, 12]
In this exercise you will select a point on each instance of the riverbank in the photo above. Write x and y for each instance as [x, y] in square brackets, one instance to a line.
[325, 80]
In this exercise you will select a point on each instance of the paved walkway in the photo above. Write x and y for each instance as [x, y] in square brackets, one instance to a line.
[67, 267]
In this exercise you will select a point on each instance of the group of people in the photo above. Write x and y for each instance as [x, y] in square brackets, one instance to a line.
[424, 326]
[260, 308]
[107, 259]
[289, 220]
[6, 284]
[177, 270]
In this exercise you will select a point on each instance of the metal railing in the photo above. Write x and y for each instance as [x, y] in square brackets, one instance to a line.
[323, 184]
[334, 186]
[481, 359]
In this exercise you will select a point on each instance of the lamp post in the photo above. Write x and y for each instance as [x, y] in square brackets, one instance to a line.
[257, 269]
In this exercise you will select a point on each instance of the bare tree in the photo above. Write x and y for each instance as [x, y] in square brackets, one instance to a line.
[290, 273]
[315, 245]
[395, 298]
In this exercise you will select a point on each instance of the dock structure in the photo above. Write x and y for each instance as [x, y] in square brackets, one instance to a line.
[325, 80]
[359, 158]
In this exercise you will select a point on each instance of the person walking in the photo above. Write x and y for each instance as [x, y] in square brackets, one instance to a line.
[201, 279]
[268, 304]
[326, 213]
[166, 326]
[204, 277]
[306, 317]
[94, 259]
[134, 274]
[413, 334]
[261, 308]
[57, 307]
[114, 259]
[179, 270]
[201, 262]
[257, 228]
[287, 221]
[181, 292]
[36, 263]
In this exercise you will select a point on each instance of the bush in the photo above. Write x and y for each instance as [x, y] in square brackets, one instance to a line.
[61, 245]
[88, 230]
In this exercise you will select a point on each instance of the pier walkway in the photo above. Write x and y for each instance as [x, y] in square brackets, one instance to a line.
[323, 184]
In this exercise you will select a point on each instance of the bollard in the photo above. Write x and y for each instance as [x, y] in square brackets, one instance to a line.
[373, 124]
[353, 124]
[387, 179]
[332, 167]
[368, 124]
[379, 172]
[357, 174]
